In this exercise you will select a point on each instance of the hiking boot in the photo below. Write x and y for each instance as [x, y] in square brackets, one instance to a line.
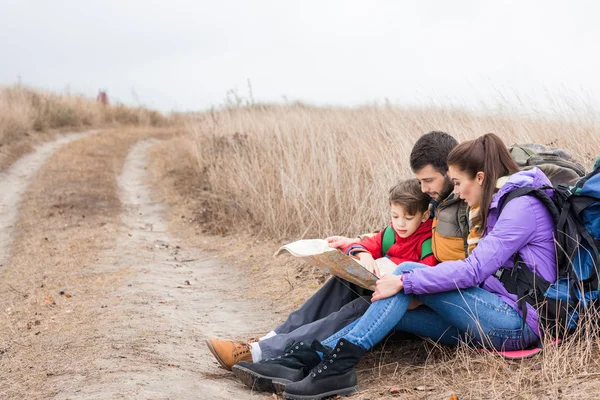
[335, 374]
[228, 352]
[272, 374]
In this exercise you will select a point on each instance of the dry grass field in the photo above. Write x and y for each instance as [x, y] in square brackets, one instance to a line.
[30, 116]
[298, 171]
[122, 250]
[295, 171]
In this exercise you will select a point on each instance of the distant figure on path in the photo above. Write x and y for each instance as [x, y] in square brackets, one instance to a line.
[102, 97]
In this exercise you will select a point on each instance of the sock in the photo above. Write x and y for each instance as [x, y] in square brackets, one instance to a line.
[256, 352]
[268, 335]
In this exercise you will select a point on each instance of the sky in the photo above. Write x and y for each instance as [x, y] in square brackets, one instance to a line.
[189, 55]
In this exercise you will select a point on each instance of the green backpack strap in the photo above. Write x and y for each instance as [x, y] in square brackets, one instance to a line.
[426, 248]
[388, 239]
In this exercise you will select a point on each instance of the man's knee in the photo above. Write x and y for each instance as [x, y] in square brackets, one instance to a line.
[407, 266]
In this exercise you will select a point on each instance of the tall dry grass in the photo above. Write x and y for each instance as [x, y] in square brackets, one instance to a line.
[24, 110]
[300, 171]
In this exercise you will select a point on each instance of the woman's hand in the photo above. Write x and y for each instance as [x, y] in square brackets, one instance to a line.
[387, 286]
[339, 242]
[367, 261]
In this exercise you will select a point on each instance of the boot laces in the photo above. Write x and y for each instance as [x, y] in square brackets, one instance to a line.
[289, 349]
[328, 356]
[240, 348]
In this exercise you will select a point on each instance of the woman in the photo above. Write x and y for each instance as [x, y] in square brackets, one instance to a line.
[462, 297]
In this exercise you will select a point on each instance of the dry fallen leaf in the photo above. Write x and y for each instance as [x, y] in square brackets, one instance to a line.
[68, 296]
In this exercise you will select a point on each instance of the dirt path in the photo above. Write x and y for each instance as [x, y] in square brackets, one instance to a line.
[14, 182]
[168, 305]
[101, 300]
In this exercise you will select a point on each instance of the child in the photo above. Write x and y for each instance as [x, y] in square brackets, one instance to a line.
[409, 208]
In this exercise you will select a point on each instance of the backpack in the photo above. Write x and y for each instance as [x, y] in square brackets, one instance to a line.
[556, 164]
[387, 240]
[576, 212]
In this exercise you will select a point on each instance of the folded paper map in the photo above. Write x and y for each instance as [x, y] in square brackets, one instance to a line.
[317, 252]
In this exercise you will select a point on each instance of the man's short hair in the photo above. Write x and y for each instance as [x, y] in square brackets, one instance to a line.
[408, 194]
[432, 148]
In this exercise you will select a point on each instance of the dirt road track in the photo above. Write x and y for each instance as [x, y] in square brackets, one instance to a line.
[164, 319]
[145, 339]
[15, 181]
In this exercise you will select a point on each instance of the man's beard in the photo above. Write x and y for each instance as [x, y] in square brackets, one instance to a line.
[447, 189]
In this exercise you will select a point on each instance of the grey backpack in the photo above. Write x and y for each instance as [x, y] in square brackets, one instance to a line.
[557, 164]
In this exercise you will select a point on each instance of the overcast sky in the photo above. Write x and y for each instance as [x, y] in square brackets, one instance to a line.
[186, 55]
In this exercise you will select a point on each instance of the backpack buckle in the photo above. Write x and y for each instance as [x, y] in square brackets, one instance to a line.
[498, 274]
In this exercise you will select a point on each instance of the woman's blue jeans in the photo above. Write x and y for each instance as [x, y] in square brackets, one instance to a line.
[473, 315]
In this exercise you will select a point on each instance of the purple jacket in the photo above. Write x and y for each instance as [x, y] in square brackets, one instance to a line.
[525, 226]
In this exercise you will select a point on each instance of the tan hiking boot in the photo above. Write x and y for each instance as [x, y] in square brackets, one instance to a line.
[229, 352]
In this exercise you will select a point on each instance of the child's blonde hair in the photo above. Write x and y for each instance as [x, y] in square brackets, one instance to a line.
[409, 195]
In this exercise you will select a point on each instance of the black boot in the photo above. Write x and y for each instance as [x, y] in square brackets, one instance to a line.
[272, 374]
[334, 375]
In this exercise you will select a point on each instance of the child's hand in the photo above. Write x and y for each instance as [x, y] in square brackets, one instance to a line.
[339, 242]
[367, 261]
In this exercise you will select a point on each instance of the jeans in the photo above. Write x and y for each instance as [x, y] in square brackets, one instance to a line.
[474, 315]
